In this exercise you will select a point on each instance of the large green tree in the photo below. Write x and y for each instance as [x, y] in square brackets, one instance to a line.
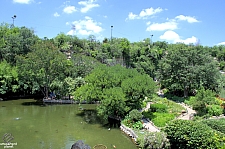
[186, 68]
[38, 69]
[118, 89]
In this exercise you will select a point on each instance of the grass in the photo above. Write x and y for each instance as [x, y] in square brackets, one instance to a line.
[161, 118]
[172, 107]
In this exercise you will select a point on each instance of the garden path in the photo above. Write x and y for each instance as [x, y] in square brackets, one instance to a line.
[189, 113]
[147, 123]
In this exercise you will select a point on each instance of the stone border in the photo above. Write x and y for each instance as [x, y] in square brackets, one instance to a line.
[129, 132]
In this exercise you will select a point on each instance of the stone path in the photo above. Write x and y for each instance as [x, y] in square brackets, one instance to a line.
[189, 113]
[147, 123]
[150, 126]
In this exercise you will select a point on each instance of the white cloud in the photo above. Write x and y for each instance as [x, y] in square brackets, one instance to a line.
[192, 40]
[170, 35]
[86, 27]
[150, 11]
[69, 9]
[144, 13]
[174, 37]
[56, 14]
[170, 25]
[189, 19]
[22, 1]
[67, 23]
[88, 5]
[148, 23]
[132, 16]
[221, 43]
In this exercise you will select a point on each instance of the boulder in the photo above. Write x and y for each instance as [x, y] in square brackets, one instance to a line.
[80, 145]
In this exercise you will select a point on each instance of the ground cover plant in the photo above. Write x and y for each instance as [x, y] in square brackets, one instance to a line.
[162, 111]
[185, 134]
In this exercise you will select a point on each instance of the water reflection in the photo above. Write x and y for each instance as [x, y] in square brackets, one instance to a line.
[56, 126]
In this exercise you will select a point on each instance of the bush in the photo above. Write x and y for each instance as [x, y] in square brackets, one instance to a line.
[135, 115]
[160, 119]
[137, 125]
[190, 100]
[193, 135]
[148, 114]
[156, 107]
[214, 110]
[127, 121]
[217, 124]
[153, 140]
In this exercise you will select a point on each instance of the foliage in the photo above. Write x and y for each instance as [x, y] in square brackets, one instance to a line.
[8, 78]
[161, 119]
[153, 140]
[172, 107]
[217, 124]
[222, 93]
[156, 107]
[38, 69]
[137, 125]
[135, 115]
[214, 110]
[82, 65]
[192, 134]
[137, 88]
[15, 41]
[129, 122]
[202, 99]
[114, 103]
[186, 68]
[133, 88]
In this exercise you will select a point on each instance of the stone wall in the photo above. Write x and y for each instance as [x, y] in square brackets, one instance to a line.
[129, 132]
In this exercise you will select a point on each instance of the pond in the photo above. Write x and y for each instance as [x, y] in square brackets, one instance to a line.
[56, 126]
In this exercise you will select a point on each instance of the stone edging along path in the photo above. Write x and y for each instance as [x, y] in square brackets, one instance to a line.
[148, 125]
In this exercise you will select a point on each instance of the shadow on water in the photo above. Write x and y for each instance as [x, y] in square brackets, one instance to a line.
[90, 116]
[33, 103]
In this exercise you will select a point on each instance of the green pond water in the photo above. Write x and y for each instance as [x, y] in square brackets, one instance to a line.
[56, 126]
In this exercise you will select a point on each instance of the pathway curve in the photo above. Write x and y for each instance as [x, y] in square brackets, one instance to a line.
[147, 123]
[189, 113]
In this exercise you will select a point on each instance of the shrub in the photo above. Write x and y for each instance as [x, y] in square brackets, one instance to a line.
[193, 135]
[214, 110]
[153, 140]
[127, 122]
[135, 115]
[190, 100]
[148, 114]
[156, 107]
[217, 124]
[137, 125]
[160, 119]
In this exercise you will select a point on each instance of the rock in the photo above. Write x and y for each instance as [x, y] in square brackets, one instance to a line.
[80, 145]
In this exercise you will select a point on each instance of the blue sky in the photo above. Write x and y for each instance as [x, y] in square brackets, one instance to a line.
[172, 21]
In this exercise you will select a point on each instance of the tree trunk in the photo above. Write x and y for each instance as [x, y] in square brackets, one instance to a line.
[185, 92]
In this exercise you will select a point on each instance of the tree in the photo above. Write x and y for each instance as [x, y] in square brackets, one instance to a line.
[15, 41]
[187, 68]
[38, 69]
[137, 88]
[114, 103]
[118, 89]
[8, 78]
